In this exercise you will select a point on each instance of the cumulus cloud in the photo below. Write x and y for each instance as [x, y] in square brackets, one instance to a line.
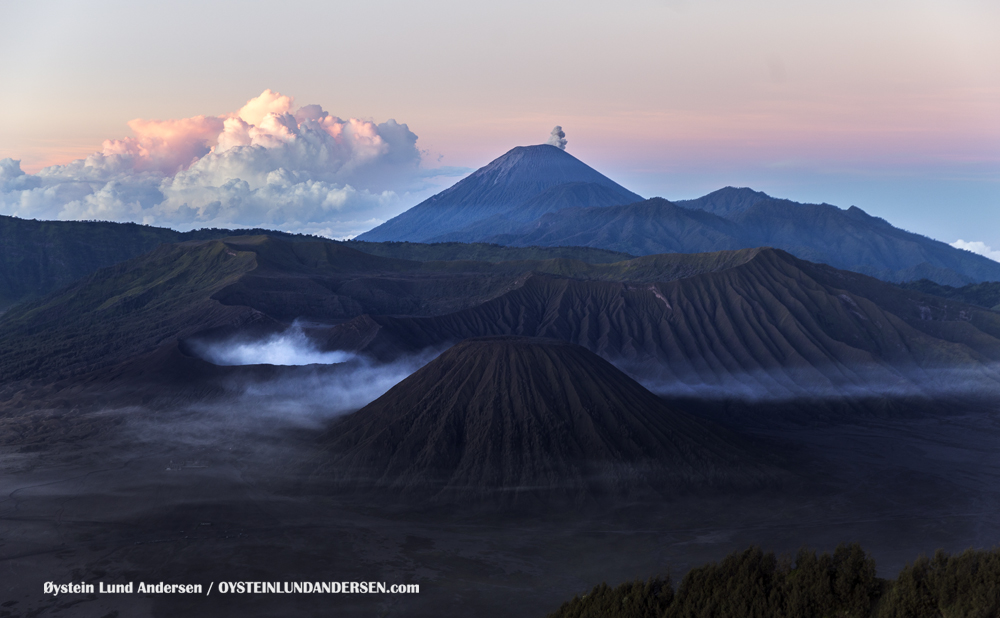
[557, 138]
[268, 164]
[977, 246]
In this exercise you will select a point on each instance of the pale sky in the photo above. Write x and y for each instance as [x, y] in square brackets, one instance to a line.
[888, 105]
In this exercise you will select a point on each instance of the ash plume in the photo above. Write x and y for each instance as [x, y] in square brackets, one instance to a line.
[557, 138]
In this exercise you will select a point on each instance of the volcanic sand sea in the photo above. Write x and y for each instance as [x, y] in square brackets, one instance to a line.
[144, 501]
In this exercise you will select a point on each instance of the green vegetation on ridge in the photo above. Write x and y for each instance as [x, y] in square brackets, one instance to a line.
[482, 252]
[133, 307]
[122, 311]
[754, 584]
[985, 294]
[39, 257]
[786, 321]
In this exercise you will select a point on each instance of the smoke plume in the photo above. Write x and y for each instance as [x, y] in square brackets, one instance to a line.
[557, 138]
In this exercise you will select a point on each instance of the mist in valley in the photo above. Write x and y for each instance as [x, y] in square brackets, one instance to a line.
[221, 476]
[308, 386]
[832, 383]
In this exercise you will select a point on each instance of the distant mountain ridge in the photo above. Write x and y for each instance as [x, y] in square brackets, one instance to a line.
[541, 196]
[749, 321]
[742, 218]
[523, 184]
[725, 202]
[848, 239]
[980, 294]
[754, 322]
[39, 257]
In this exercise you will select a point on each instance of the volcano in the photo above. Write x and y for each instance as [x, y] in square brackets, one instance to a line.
[527, 178]
[514, 419]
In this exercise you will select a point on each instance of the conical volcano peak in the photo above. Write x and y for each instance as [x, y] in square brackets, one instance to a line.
[512, 418]
[545, 164]
[499, 190]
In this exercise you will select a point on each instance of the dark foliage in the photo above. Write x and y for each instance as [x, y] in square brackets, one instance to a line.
[483, 252]
[629, 600]
[981, 294]
[966, 585]
[756, 584]
[38, 257]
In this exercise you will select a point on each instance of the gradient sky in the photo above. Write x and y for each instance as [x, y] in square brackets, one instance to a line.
[888, 105]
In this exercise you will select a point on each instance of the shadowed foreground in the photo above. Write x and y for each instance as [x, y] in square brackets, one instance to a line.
[751, 583]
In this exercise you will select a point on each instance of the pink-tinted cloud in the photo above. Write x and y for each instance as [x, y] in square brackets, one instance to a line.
[269, 102]
[166, 145]
[267, 164]
[266, 121]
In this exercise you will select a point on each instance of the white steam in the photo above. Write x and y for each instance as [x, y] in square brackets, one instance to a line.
[269, 164]
[859, 381]
[309, 398]
[313, 386]
[557, 138]
[291, 347]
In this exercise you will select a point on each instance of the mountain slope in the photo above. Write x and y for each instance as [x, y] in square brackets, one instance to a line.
[847, 239]
[854, 240]
[482, 252]
[38, 257]
[980, 294]
[541, 196]
[504, 185]
[512, 418]
[132, 308]
[123, 311]
[138, 306]
[748, 323]
[772, 325]
[725, 202]
[643, 228]
[559, 197]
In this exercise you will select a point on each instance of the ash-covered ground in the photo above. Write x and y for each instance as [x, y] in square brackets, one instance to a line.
[195, 492]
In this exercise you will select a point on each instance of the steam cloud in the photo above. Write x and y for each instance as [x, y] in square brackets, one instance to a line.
[337, 382]
[557, 138]
[291, 347]
[850, 381]
[269, 164]
[977, 246]
[310, 398]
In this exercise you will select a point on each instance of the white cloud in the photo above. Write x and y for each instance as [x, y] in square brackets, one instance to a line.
[977, 246]
[269, 164]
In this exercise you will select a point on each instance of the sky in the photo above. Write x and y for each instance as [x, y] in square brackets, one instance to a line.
[330, 117]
